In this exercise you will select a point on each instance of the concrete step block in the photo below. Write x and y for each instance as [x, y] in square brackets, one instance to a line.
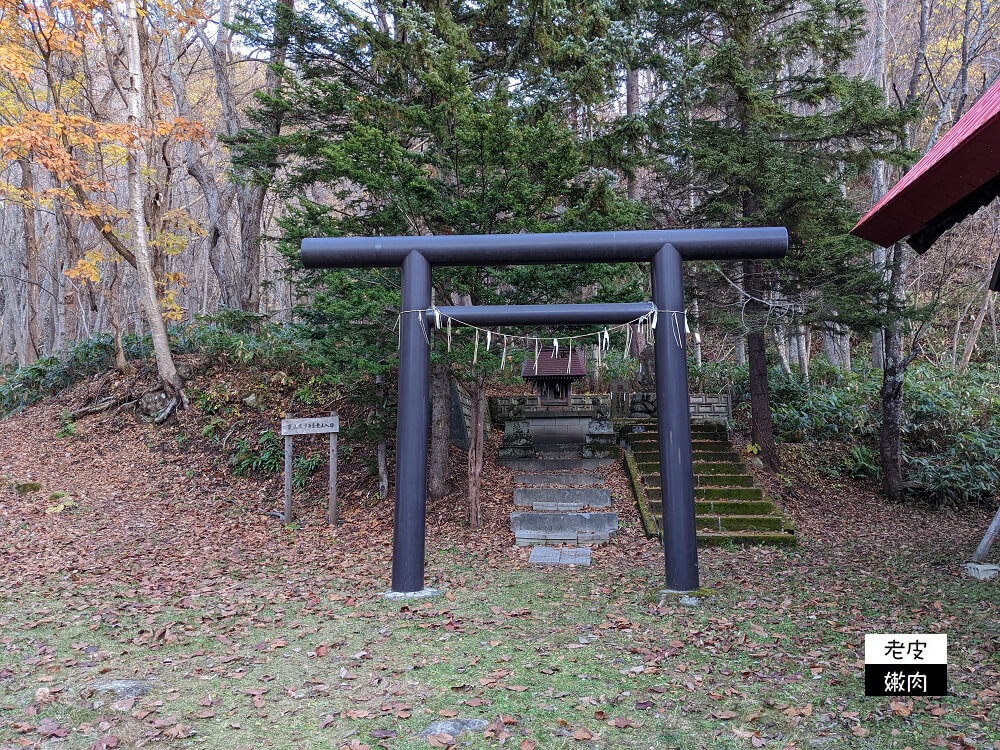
[594, 498]
[563, 524]
[559, 507]
[559, 480]
[554, 464]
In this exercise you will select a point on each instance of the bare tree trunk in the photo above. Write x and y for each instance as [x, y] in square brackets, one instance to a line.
[973, 337]
[831, 346]
[880, 170]
[781, 347]
[837, 344]
[169, 378]
[631, 107]
[383, 470]
[696, 331]
[477, 391]
[740, 350]
[250, 195]
[32, 343]
[802, 351]
[217, 199]
[121, 364]
[890, 433]
[761, 424]
[440, 432]
[958, 330]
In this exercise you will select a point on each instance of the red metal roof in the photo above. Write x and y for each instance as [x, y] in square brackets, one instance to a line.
[966, 158]
[555, 367]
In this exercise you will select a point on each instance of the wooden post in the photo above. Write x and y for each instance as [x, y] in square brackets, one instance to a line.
[288, 475]
[332, 513]
[984, 546]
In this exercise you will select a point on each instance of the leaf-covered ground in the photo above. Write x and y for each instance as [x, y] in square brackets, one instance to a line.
[139, 557]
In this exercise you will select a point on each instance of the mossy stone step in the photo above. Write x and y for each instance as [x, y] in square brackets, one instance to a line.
[644, 454]
[707, 481]
[743, 538]
[716, 467]
[723, 480]
[739, 523]
[700, 467]
[696, 437]
[758, 538]
[711, 445]
[651, 462]
[704, 455]
[716, 507]
[728, 493]
[729, 507]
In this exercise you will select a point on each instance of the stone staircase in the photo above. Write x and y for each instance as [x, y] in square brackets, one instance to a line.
[564, 508]
[728, 507]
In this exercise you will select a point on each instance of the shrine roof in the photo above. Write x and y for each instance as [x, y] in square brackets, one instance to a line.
[551, 367]
[955, 178]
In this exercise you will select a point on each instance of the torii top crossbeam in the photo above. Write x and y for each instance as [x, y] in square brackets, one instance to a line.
[663, 249]
[540, 249]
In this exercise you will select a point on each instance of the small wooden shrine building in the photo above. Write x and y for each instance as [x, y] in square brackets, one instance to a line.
[553, 374]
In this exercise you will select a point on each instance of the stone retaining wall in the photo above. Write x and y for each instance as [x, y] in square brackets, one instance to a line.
[705, 407]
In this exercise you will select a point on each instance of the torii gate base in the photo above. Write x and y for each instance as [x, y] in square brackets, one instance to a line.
[664, 249]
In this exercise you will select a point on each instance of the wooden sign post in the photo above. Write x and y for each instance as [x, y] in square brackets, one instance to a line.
[311, 426]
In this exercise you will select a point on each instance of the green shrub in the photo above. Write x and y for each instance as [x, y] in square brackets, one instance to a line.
[304, 467]
[951, 423]
[266, 455]
[242, 336]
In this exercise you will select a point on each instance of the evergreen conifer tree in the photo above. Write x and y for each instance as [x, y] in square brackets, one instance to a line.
[441, 118]
[767, 129]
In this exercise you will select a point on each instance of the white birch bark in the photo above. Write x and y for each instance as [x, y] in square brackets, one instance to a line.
[169, 378]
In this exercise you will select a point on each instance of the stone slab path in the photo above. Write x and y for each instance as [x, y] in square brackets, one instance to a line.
[541, 555]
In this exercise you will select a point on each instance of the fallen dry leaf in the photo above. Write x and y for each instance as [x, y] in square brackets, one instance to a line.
[441, 739]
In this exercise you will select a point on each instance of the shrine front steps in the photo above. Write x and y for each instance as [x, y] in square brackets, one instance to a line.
[575, 479]
[565, 508]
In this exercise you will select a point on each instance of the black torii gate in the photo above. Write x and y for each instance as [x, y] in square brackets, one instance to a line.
[663, 249]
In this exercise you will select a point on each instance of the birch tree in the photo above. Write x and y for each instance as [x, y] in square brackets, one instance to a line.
[169, 378]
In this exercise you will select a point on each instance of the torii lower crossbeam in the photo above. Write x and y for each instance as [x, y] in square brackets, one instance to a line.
[663, 249]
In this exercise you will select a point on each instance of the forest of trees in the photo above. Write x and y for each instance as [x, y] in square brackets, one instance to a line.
[162, 162]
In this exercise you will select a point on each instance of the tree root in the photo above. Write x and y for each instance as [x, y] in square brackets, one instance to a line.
[179, 401]
[169, 409]
[108, 402]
